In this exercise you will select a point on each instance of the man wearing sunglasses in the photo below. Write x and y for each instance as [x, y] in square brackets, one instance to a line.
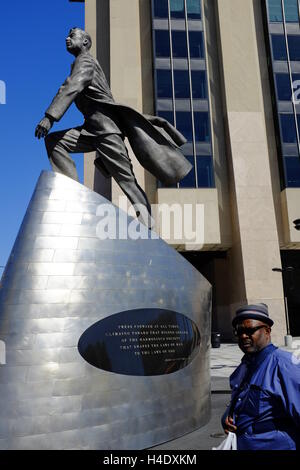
[264, 410]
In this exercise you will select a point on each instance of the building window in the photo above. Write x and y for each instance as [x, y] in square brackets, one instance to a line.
[296, 78]
[162, 43]
[202, 133]
[190, 180]
[278, 47]
[275, 11]
[179, 44]
[177, 8]
[184, 124]
[199, 84]
[160, 8]
[205, 172]
[291, 11]
[283, 86]
[196, 44]
[285, 47]
[182, 83]
[194, 9]
[164, 84]
[288, 128]
[292, 168]
[168, 115]
[294, 47]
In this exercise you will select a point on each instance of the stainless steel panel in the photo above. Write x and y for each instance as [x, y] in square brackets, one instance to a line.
[74, 256]
[39, 255]
[51, 230]
[79, 206]
[19, 281]
[51, 269]
[67, 282]
[56, 242]
[71, 218]
[55, 286]
[78, 231]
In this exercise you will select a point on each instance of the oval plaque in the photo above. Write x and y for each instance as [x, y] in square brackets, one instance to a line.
[141, 342]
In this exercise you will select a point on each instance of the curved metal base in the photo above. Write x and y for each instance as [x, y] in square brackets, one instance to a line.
[61, 279]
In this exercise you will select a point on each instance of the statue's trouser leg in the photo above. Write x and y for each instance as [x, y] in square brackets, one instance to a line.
[113, 154]
[60, 144]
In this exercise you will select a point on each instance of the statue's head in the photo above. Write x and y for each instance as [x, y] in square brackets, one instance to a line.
[77, 41]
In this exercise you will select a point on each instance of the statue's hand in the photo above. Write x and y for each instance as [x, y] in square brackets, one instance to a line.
[43, 127]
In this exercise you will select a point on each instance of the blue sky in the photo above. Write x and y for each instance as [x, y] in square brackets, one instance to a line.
[33, 64]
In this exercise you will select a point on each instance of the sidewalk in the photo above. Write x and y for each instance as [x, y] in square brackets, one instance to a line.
[223, 362]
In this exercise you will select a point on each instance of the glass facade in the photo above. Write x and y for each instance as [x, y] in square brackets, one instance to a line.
[291, 11]
[284, 39]
[181, 86]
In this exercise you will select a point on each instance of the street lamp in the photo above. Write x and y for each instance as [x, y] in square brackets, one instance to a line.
[288, 339]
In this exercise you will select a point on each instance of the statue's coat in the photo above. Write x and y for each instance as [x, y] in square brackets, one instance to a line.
[156, 149]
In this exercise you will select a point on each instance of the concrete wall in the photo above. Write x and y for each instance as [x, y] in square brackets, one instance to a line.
[255, 248]
[208, 198]
[217, 125]
[97, 24]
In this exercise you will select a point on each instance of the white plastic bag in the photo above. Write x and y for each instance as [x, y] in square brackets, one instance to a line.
[228, 444]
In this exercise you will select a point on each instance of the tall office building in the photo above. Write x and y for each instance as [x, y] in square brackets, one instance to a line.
[223, 72]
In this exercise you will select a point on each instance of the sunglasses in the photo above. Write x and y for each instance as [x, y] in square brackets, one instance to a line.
[239, 331]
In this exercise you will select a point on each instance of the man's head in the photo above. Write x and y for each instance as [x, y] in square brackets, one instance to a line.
[78, 41]
[252, 326]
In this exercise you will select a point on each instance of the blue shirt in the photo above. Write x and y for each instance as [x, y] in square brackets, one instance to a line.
[266, 389]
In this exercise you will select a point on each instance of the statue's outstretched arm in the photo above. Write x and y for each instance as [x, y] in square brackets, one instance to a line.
[81, 76]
